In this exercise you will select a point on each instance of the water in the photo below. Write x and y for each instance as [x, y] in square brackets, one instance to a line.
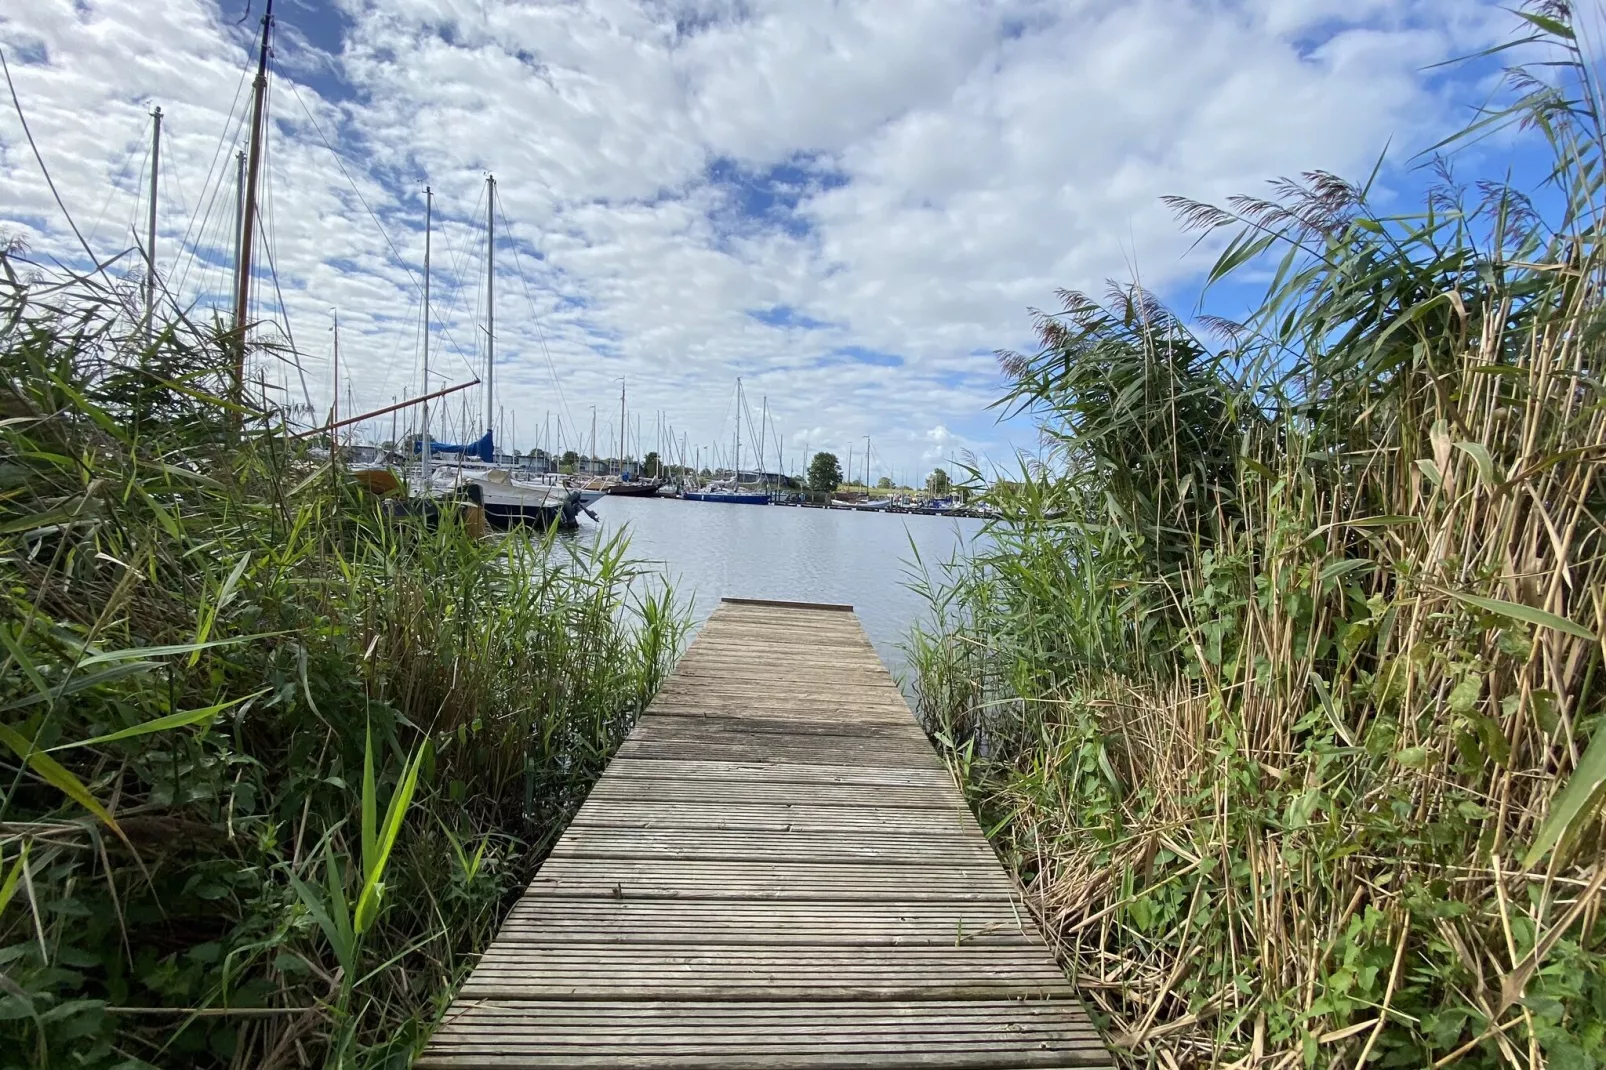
[709, 551]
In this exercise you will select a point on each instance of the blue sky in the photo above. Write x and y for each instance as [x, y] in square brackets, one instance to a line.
[850, 205]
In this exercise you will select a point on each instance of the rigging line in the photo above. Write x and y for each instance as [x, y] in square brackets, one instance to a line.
[518, 264]
[349, 181]
[194, 251]
[273, 272]
[17, 104]
[417, 285]
[117, 187]
[457, 292]
[212, 169]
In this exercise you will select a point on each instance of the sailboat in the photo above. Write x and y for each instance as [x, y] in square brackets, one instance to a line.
[626, 487]
[730, 491]
[507, 500]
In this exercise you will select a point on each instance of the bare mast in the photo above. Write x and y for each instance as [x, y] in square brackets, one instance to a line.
[423, 464]
[253, 173]
[150, 234]
[490, 301]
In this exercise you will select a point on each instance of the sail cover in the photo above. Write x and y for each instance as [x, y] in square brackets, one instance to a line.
[482, 448]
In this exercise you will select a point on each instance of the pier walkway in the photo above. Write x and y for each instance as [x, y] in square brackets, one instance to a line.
[776, 871]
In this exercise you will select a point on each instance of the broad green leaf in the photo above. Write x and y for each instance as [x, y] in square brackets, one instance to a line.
[9, 888]
[1518, 611]
[181, 719]
[51, 772]
[317, 908]
[1480, 453]
[79, 683]
[370, 802]
[1575, 804]
[340, 913]
[14, 648]
[1547, 24]
[1335, 569]
[373, 887]
[163, 651]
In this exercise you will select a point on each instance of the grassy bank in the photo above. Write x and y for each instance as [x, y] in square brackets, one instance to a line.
[1281, 688]
[272, 763]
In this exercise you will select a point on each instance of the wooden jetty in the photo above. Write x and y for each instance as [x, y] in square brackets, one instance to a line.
[776, 871]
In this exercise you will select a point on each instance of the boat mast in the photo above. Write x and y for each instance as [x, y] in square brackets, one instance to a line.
[736, 466]
[866, 466]
[253, 173]
[622, 426]
[591, 462]
[239, 212]
[429, 208]
[490, 299]
[150, 234]
[334, 406]
[763, 423]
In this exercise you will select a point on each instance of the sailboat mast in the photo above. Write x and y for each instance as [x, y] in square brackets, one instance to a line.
[253, 174]
[490, 297]
[763, 425]
[429, 209]
[334, 406]
[150, 234]
[736, 449]
[239, 212]
[622, 426]
[867, 464]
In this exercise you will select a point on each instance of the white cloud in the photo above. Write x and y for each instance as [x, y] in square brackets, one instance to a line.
[951, 163]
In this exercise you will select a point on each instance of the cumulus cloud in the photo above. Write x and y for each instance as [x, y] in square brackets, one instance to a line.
[850, 205]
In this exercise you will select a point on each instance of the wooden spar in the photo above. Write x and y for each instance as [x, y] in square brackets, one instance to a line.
[387, 409]
[253, 173]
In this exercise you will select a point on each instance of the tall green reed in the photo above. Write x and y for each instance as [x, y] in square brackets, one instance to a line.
[1281, 685]
[273, 762]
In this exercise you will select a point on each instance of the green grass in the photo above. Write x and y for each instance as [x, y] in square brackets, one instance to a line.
[273, 764]
[1280, 686]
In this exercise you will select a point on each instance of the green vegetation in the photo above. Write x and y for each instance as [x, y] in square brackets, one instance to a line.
[1281, 686]
[825, 473]
[939, 482]
[273, 762]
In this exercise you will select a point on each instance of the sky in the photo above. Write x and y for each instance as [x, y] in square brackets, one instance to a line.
[849, 205]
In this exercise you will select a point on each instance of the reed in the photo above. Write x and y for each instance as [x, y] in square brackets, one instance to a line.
[273, 763]
[1280, 685]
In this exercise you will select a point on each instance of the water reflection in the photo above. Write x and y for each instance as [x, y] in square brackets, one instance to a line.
[709, 551]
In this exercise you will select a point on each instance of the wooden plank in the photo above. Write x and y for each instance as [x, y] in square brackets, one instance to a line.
[551, 921]
[775, 871]
[789, 605]
[712, 845]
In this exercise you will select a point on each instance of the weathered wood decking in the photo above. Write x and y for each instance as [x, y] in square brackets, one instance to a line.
[776, 871]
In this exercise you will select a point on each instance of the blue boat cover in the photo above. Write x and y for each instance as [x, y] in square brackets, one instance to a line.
[482, 448]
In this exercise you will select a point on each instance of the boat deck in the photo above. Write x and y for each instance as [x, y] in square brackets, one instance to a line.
[775, 871]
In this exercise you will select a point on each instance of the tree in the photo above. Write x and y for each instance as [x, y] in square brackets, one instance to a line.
[650, 465]
[825, 472]
[884, 483]
[569, 461]
[938, 482]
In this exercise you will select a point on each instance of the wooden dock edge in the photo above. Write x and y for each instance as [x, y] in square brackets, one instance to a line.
[834, 606]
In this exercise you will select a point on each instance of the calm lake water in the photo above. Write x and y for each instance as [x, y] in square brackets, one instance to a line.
[709, 551]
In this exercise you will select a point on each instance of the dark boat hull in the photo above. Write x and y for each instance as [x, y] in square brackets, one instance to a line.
[728, 499]
[634, 490]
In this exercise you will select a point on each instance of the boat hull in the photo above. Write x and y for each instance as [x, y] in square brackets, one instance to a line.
[633, 490]
[728, 499]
